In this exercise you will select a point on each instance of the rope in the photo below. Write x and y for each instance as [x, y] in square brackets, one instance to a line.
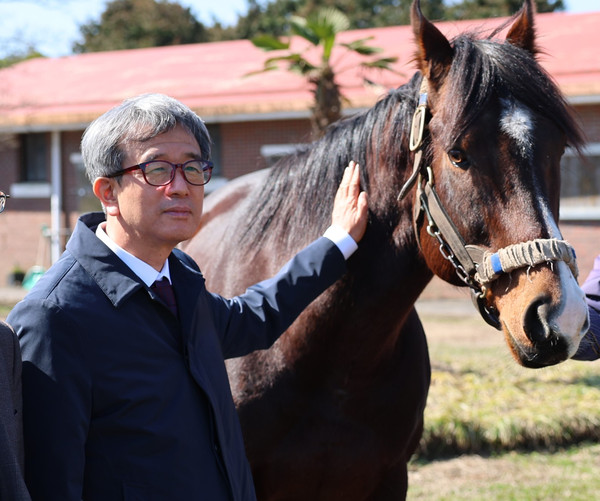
[525, 254]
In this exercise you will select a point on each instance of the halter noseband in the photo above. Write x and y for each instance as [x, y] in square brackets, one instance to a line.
[474, 265]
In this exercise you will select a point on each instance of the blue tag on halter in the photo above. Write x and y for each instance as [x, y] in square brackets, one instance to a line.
[423, 99]
[495, 261]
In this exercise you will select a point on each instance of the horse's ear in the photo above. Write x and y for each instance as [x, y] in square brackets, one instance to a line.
[434, 52]
[522, 32]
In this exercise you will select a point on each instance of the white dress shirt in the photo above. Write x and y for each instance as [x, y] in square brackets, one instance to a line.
[149, 275]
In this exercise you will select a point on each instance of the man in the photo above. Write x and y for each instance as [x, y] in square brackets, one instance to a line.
[12, 485]
[589, 348]
[124, 398]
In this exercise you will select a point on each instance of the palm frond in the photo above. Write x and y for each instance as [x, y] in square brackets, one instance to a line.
[268, 43]
[381, 63]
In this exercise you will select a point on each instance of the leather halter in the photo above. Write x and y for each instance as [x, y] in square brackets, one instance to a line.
[473, 264]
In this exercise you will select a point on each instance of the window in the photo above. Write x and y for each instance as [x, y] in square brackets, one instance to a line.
[580, 184]
[34, 158]
[273, 152]
[215, 135]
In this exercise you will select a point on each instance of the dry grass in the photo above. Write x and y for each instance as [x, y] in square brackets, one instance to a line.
[566, 474]
[481, 401]
[506, 433]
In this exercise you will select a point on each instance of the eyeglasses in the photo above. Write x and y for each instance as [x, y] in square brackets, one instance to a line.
[162, 172]
[3, 197]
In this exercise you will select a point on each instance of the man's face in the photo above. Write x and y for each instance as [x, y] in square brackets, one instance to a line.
[157, 217]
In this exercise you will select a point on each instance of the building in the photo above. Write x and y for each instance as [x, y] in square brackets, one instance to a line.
[45, 104]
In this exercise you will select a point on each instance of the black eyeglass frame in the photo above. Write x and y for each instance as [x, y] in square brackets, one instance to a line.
[3, 197]
[207, 166]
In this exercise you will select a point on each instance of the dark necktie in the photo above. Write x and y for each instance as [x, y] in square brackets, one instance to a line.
[164, 290]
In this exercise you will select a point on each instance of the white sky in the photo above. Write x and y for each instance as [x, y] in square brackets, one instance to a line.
[51, 26]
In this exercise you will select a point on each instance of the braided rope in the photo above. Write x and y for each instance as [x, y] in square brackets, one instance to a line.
[525, 254]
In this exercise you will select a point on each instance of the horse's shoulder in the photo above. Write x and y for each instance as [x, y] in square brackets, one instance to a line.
[236, 190]
[219, 210]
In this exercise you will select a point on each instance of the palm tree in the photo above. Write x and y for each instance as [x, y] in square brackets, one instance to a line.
[320, 29]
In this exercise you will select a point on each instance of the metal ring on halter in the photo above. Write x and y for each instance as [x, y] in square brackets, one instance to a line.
[488, 313]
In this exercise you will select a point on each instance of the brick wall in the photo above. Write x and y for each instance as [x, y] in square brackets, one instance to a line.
[585, 238]
[589, 116]
[242, 142]
[21, 240]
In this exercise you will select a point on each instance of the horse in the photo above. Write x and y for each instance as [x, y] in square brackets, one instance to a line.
[461, 168]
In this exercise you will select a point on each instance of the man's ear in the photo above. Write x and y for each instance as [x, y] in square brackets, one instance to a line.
[105, 191]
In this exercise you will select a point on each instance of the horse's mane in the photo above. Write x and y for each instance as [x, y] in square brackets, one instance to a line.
[296, 199]
[294, 204]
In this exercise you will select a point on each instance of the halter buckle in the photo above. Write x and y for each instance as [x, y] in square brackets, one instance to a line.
[418, 124]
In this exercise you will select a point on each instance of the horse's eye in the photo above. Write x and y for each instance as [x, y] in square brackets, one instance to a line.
[458, 158]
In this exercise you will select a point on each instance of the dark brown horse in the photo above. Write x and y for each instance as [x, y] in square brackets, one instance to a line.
[334, 409]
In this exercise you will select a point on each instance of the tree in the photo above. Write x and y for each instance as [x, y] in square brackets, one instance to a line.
[477, 9]
[132, 24]
[320, 29]
[19, 56]
[219, 33]
[273, 18]
[376, 13]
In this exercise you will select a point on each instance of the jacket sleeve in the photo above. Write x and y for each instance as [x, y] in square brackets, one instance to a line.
[589, 348]
[12, 485]
[255, 319]
[56, 399]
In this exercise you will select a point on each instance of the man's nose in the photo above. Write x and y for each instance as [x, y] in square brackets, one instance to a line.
[179, 183]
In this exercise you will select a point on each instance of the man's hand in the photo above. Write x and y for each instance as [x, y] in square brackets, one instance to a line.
[350, 204]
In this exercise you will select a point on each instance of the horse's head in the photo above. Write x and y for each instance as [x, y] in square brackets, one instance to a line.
[488, 179]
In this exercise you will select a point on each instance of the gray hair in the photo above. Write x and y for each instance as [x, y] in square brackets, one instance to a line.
[136, 120]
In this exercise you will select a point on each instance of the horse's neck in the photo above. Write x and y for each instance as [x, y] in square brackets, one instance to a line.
[390, 278]
[365, 313]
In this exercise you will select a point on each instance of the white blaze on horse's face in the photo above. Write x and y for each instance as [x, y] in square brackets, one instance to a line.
[517, 122]
[564, 314]
[572, 317]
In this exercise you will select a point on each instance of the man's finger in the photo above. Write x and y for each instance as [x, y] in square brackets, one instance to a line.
[355, 178]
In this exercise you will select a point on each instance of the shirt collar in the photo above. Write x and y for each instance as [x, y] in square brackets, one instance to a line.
[143, 270]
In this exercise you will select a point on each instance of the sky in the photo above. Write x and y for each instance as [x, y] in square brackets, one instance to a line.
[52, 26]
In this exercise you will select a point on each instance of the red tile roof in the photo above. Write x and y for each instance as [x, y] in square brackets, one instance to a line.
[210, 78]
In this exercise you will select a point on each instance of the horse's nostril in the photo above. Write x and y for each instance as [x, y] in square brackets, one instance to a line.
[536, 321]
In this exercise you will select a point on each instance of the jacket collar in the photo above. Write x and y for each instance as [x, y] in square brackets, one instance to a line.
[116, 279]
[112, 275]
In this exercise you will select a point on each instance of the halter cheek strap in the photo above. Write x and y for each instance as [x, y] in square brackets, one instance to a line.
[475, 266]
[417, 136]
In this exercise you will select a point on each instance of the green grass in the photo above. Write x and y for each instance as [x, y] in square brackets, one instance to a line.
[477, 405]
[481, 401]
[497, 431]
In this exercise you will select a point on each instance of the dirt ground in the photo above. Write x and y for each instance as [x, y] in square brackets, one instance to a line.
[512, 477]
[443, 479]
